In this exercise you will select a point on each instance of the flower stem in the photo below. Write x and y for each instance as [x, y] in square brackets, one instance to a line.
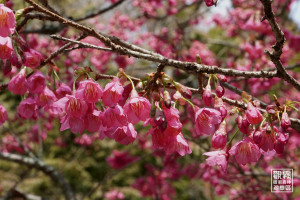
[230, 141]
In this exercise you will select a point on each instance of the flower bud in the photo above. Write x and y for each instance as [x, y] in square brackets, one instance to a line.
[285, 121]
[167, 99]
[222, 78]
[207, 95]
[243, 124]
[257, 136]
[253, 115]
[220, 91]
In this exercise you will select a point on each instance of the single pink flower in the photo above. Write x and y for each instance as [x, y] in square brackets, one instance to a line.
[92, 121]
[285, 121]
[178, 144]
[114, 117]
[219, 105]
[219, 138]
[268, 138]
[125, 135]
[137, 108]
[245, 151]
[3, 115]
[281, 141]
[72, 106]
[207, 120]
[253, 115]
[63, 90]
[75, 124]
[90, 91]
[243, 124]
[84, 140]
[32, 58]
[207, 95]
[219, 158]
[7, 21]
[18, 84]
[172, 118]
[119, 159]
[45, 97]
[36, 83]
[28, 109]
[6, 47]
[112, 93]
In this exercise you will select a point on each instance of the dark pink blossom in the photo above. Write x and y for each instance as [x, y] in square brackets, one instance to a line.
[210, 2]
[268, 138]
[137, 108]
[285, 121]
[220, 91]
[125, 135]
[63, 90]
[172, 118]
[253, 115]
[32, 58]
[7, 21]
[89, 91]
[207, 120]
[178, 144]
[75, 124]
[112, 93]
[35, 135]
[3, 115]
[92, 121]
[281, 141]
[243, 124]
[18, 84]
[36, 83]
[28, 108]
[119, 159]
[245, 151]
[6, 47]
[219, 138]
[219, 158]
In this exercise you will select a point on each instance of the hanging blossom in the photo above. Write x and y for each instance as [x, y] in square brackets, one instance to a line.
[6, 47]
[7, 21]
[18, 84]
[219, 158]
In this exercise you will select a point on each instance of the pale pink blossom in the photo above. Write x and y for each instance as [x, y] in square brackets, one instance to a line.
[114, 195]
[7, 21]
[89, 91]
[137, 108]
[219, 158]
[6, 47]
[245, 151]
[112, 93]
[207, 120]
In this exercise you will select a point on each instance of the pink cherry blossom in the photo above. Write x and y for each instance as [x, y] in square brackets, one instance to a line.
[75, 124]
[72, 106]
[36, 83]
[84, 140]
[112, 93]
[268, 138]
[6, 47]
[207, 120]
[243, 124]
[137, 108]
[114, 117]
[89, 91]
[45, 97]
[210, 2]
[63, 90]
[207, 95]
[18, 84]
[172, 118]
[219, 158]
[3, 115]
[245, 151]
[28, 108]
[7, 21]
[119, 159]
[125, 135]
[219, 138]
[281, 141]
[285, 121]
[178, 144]
[253, 115]
[114, 194]
[35, 135]
[92, 121]
[32, 58]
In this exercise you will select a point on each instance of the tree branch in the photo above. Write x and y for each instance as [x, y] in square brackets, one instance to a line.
[40, 165]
